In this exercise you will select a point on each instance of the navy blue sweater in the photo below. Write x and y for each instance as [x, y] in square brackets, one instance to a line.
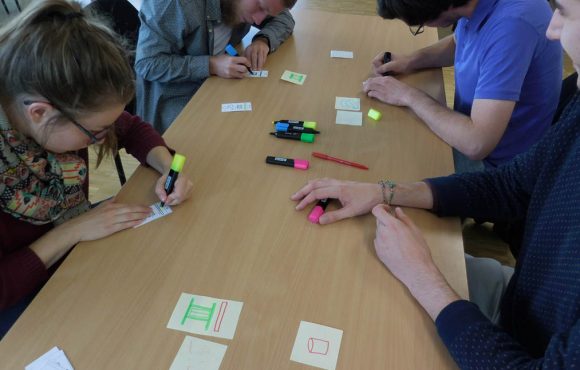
[540, 311]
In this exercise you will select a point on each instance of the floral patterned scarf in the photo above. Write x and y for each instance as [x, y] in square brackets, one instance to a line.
[37, 186]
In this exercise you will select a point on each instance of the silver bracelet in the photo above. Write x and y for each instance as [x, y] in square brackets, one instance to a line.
[388, 184]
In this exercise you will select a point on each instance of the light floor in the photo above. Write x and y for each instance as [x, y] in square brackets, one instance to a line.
[479, 240]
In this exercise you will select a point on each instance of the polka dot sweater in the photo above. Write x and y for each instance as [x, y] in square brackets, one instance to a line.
[540, 312]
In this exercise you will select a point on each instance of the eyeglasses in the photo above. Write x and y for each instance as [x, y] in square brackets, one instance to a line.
[94, 137]
[417, 30]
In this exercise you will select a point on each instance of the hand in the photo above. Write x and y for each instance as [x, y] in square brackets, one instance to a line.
[356, 198]
[106, 219]
[389, 90]
[228, 67]
[403, 250]
[257, 53]
[399, 64]
[400, 245]
[182, 190]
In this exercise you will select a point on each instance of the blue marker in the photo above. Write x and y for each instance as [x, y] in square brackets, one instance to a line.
[231, 51]
[285, 127]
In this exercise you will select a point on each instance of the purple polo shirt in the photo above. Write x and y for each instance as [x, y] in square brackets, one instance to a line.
[502, 53]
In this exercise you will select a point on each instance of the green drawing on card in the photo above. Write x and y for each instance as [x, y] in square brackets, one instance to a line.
[199, 313]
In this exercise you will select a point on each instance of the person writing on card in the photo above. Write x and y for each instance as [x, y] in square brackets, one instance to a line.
[527, 318]
[507, 75]
[181, 43]
[65, 82]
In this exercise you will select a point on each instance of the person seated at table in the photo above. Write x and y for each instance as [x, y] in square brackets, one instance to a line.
[507, 75]
[181, 43]
[65, 81]
[523, 319]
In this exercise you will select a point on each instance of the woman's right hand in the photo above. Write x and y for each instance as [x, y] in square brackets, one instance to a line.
[357, 198]
[106, 219]
[399, 65]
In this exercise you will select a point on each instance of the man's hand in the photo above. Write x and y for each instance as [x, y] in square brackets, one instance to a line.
[257, 53]
[228, 67]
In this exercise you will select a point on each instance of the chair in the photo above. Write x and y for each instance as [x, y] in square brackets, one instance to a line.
[125, 21]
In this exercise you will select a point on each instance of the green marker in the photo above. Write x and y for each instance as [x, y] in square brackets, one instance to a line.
[176, 167]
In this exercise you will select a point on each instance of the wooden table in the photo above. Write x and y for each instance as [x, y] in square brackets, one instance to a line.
[240, 238]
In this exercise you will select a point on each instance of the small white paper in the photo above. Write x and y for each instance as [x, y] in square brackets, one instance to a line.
[206, 316]
[258, 74]
[198, 354]
[347, 103]
[237, 107]
[348, 118]
[317, 345]
[55, 359]
[156, 212]
[341, 54]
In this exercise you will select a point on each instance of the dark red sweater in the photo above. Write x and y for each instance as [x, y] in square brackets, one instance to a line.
[21, 271]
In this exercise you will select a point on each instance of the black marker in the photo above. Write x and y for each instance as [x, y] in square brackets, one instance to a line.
[308, 124]
[307, 138]
[300, 164]
[176, 167]
[387, 59]
[285, 127]
[234, 53]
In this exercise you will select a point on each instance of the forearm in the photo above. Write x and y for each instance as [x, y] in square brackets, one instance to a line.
[160, 159]
[432, 291]
[56, 243]
[456, 129]
[440, 54]
[415, 195]
[173, 68]
[277, 29]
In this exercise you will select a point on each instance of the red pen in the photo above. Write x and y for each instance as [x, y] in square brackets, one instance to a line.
[338, 160]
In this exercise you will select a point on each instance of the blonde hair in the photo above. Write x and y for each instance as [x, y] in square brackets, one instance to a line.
[70, 57]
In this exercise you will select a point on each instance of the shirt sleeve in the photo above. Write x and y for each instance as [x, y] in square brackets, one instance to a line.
[475, 343]
[499, 194]
[277, 29]
[137, 136]
[508, 48]
[21, 271]
[164, 28]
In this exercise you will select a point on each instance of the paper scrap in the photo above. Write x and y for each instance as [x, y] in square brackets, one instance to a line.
[55, 359]
[237, 107]
[206, 316]
[347, 103]
[258, 74]
[317, 345]
[341, 54]
[198, 354]
[348, 118]
[294, 77]
[156, 212]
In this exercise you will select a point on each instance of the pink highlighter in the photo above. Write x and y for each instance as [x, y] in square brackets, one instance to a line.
[318, 210]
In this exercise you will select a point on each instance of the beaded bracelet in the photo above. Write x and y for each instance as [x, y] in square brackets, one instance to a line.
[391, 186]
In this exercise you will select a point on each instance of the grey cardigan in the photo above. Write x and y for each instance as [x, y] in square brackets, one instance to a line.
[175, 43]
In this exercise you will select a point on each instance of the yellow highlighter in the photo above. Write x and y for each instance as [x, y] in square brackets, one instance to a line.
[176, 167]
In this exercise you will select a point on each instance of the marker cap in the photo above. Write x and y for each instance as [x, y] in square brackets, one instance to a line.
[375, 114]
[301, 164]
[310, 124]
[231, 50]
[178, 162]
[314, 216]
[281, 127]
[307, 138]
